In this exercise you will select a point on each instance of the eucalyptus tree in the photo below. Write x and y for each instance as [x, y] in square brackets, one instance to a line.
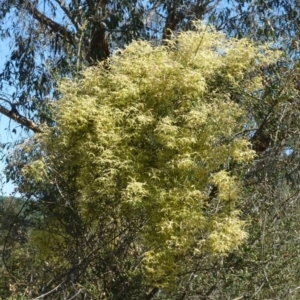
[52, 39]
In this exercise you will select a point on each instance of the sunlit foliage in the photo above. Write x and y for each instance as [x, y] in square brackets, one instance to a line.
[139, 144]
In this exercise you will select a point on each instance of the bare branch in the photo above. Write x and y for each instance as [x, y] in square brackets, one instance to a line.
[63, 6]
[53, 290]
[20, 119]
[54, 26]
[152, 293]
[90, 4]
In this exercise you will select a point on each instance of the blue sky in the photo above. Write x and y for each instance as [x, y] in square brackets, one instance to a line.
[6, 126]
[5, 136]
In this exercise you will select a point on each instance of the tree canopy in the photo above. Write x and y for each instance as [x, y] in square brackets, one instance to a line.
[52, 39]
[249, 100]
[140, 160]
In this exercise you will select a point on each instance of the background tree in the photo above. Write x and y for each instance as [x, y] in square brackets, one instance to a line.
[54, 38]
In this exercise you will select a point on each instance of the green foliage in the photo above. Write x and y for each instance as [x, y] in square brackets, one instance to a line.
[140, 142]
[70, 246]
[144, 112]
[52, 39]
